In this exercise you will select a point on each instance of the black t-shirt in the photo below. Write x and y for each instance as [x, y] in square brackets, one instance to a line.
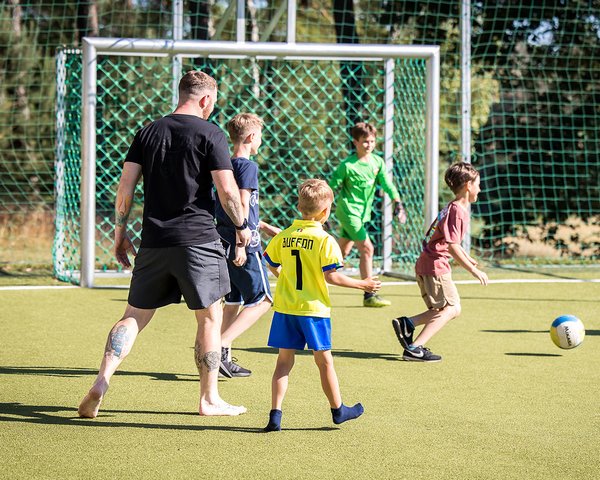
[177, 154]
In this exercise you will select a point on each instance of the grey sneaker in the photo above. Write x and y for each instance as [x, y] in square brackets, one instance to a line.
[420, 354]
[223, 370]
[230, 369]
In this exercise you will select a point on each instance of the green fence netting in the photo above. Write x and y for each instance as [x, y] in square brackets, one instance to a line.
[535, 109]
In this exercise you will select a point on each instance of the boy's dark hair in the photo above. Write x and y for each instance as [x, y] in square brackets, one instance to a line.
[363, 129]
[459, 174]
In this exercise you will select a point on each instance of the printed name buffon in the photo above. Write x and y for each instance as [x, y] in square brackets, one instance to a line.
[296, 242]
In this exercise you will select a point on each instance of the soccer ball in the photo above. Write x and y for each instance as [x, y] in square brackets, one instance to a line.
[567, 331]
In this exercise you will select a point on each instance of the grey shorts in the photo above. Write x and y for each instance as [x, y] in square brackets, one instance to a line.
[162, 275]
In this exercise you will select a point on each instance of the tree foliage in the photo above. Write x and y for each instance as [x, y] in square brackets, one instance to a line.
[535, 84]
[536, 100]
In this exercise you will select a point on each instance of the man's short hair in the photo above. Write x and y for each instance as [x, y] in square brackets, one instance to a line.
[363, 129]
[459, 174]
[196, 84]
[242, 125]
[313, 196]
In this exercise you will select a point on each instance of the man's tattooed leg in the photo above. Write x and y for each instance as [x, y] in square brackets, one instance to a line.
[117, 347]
[209, 360]
[117, 341]
[210, 402]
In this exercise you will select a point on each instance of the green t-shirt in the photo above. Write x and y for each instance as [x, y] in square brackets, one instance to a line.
[354, 183]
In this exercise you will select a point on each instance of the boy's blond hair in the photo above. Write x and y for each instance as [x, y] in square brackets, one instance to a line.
[459, 174]
[314, 196]
[242, 125]
[363, 129]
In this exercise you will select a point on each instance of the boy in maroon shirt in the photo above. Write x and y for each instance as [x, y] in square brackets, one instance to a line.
[434, 277]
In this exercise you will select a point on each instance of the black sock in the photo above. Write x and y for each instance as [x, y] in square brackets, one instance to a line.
[369, 295]
[344, 413]
[274, 421]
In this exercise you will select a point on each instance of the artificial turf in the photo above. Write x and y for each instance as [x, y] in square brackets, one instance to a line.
[504, 402]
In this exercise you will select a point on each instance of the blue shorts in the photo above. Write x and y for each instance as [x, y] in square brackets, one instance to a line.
[294, 332]
[249, 283]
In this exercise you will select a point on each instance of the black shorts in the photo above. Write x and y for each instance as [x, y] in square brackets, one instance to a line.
[162, 275]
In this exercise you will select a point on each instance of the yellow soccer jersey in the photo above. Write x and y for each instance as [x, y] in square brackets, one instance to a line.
[304, 252]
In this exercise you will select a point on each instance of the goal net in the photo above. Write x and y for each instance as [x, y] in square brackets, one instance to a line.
[308, 96]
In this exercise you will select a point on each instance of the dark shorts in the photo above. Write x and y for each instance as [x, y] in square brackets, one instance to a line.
[249, 283]
[162, 275]
[294, 332]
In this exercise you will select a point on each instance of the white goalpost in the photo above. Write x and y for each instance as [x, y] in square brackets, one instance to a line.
[93, 48]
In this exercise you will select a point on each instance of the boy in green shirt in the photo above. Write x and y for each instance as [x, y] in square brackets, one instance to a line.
[355, 181]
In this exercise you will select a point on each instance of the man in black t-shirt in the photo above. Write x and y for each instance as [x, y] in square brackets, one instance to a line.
[180, 157]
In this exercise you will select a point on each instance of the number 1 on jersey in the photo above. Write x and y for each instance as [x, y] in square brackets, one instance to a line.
[296, 253]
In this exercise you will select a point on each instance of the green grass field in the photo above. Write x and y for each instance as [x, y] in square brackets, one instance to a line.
[504, 403]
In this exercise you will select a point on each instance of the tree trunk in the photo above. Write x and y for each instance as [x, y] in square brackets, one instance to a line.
[253, 23]
[21, 103]
[87, 19]
[17, 16]
[200, 23]
[351, 72]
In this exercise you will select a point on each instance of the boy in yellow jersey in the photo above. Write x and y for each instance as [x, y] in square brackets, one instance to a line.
[305, 258]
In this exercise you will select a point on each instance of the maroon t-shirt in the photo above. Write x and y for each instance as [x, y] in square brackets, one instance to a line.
[450, 226]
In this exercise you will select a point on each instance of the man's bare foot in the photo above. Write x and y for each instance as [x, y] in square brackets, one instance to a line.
[221, 409]
[89, 406]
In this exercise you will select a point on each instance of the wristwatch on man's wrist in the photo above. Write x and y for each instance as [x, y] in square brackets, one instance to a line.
[243, 226]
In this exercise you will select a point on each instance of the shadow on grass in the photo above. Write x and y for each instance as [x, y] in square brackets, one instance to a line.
[591, 333]
[79, 372]
[336, 353]
[529, 354]
[50, 415]
[517, 299]
[515, 331]
[535, 271]
[31, 271]
[381, 309]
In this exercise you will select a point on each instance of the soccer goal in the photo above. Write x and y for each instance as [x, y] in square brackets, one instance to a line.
[114, 86]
